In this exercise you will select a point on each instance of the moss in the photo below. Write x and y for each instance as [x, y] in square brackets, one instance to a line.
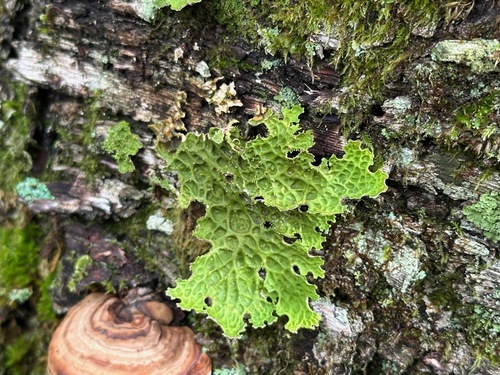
[483, 331]
[15, 134]
[373, 36]
[44, 309]
[223, 57]
[24, 341]
[237, 15]
[16, 352]
[122, 144]
[27, 353]
[82, 133]
[80, 270]
[476, 124]
[18, 257]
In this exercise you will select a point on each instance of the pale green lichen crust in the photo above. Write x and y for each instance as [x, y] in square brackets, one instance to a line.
[32, 189]
[481, 55]
[267, 206]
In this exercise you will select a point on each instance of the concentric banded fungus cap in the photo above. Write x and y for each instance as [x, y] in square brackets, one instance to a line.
[102, 335]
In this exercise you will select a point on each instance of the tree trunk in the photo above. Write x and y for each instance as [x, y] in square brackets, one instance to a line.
[411, 277]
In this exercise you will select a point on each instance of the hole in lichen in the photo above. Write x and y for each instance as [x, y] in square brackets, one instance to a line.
[304, 208]
[296, 270]
[267, 224]
[259, 198]
[291, 240]
[208, 301]
[292, 154]
[377, 111]
[262, 273]
[228, 177]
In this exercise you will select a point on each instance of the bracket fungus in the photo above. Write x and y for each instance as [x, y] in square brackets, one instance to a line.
[104, 334]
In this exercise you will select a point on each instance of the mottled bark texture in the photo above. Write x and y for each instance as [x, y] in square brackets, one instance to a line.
[412, 286]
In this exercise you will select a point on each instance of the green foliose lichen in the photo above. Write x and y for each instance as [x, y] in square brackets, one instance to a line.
[122, 143]
[486, 215]
[267, 205]
[146, 9]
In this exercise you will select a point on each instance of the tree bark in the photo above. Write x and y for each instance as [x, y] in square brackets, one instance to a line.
[411, 285]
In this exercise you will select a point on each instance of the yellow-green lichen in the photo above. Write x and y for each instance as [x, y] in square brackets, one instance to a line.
[174, 4]
[122, 144]
[267, 205]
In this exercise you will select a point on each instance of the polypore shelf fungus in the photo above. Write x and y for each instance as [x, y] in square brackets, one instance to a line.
[104, 334]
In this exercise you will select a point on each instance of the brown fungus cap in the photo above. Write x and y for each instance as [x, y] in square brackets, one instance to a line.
[100, 335]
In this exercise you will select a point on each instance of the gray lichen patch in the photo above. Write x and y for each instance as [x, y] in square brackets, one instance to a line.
[203, 69]
[160, 223]
[145, 9]
[395, 253]
[339, 331]
[481, 55]
[335, 320]
[487, 287]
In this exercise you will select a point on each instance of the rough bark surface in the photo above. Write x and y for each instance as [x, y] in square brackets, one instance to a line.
[412, 286]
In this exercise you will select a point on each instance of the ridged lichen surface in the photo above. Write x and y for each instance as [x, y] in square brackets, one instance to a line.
[267, 205]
